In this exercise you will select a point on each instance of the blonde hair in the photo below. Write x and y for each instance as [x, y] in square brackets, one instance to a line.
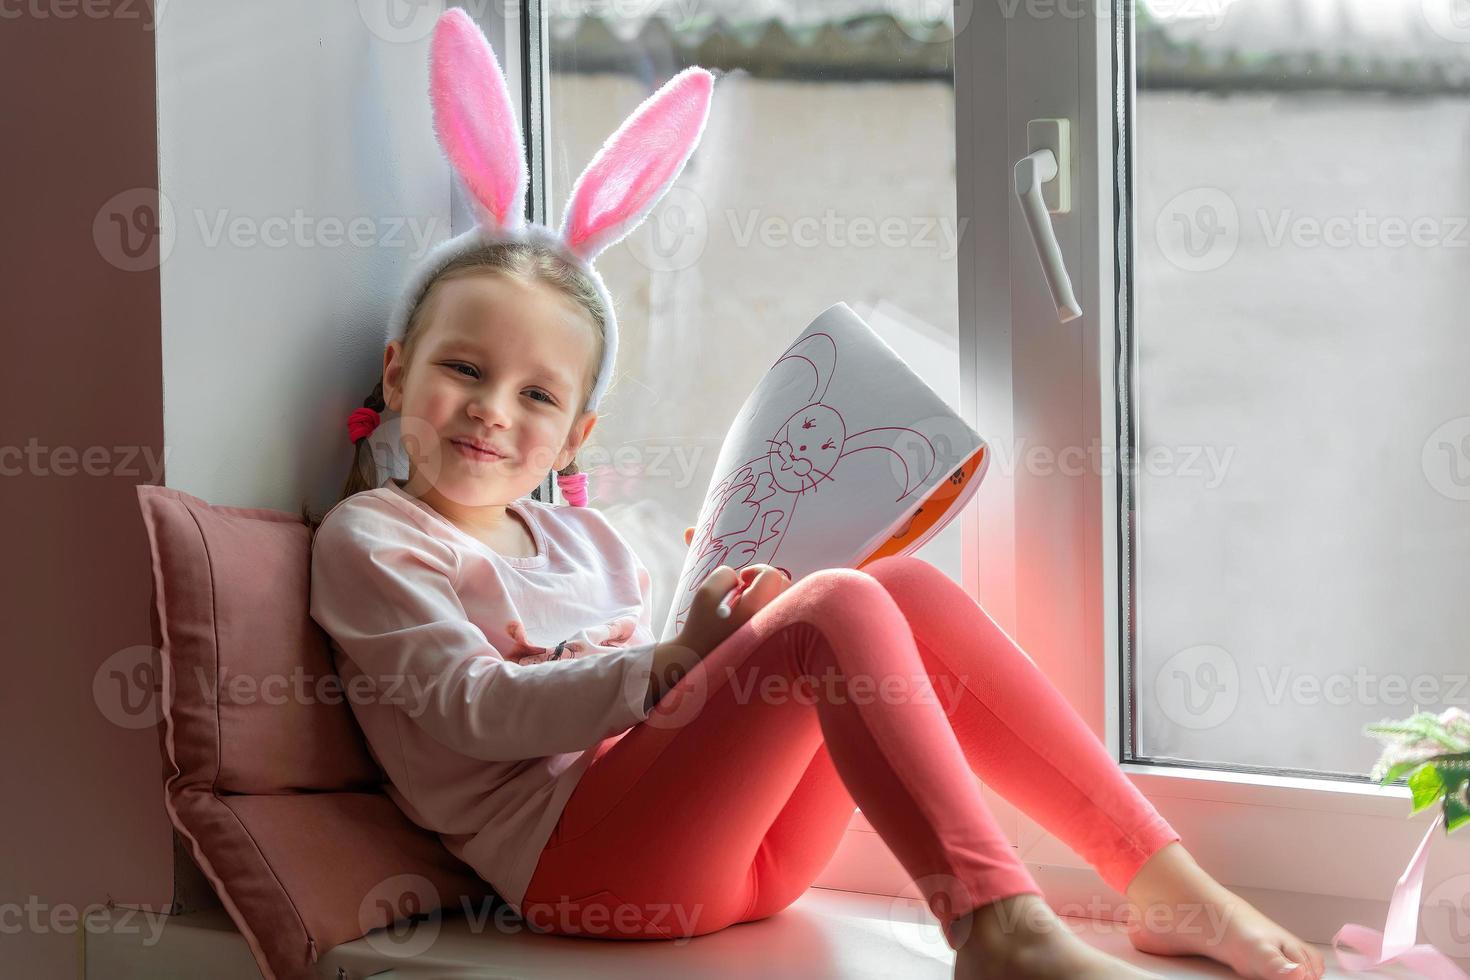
[526, 261]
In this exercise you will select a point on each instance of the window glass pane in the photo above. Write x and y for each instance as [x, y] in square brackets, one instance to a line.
[825, 174]
[1302, 417]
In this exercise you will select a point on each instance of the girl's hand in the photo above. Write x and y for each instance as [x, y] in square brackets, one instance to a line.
[762, 584]
[703, 629]
[688, 536]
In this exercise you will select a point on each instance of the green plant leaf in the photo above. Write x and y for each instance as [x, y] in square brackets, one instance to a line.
[1399, 769]
[1426, 786]
[1456, 813]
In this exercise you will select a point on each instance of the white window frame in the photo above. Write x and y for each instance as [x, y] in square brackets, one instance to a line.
[1041, 550]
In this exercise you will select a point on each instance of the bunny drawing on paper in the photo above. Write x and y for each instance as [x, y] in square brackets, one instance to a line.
[750, 510]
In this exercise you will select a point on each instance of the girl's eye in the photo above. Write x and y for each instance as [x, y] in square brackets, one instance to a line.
[456, 365]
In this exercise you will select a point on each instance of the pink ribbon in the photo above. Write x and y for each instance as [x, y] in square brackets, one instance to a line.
[1401, 928]
[574, 488]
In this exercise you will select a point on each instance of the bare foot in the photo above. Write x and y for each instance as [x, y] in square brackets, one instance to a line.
[1176, 909]
[1021, 938]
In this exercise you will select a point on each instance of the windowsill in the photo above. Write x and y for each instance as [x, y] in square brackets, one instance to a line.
[826, 933]
[1261, 789]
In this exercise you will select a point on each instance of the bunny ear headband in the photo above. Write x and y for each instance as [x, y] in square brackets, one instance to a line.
[476, 126]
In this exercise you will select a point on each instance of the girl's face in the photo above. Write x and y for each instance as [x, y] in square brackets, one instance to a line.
[499, 363]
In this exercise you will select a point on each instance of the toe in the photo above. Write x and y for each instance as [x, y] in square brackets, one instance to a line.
[1280, 964]
[1300, 952]
[1319, 959]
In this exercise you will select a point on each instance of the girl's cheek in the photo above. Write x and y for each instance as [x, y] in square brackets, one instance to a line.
[438, 405]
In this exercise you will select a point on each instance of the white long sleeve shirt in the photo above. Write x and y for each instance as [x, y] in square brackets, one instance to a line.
[482, 681]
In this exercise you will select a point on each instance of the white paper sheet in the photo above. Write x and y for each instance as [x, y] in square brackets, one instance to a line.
[833, 453]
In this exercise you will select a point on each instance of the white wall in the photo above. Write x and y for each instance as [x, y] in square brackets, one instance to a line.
[279, 124]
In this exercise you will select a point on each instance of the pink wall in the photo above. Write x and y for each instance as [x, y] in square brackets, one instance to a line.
[82, 817]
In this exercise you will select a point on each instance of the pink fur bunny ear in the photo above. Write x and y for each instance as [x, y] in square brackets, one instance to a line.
[474, 120]
[637, 164]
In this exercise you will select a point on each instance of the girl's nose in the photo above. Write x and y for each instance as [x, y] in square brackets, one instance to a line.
[491, 408]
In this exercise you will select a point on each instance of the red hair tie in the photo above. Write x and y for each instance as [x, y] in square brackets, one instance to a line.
[573, 486]
[361, 423]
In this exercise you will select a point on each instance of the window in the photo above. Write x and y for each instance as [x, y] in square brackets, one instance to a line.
[1297, 379]
[1105, 586]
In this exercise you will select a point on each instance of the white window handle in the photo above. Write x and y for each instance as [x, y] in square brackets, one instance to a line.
[1032, 172]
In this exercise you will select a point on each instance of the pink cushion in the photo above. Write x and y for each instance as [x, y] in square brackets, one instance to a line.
[266, 774]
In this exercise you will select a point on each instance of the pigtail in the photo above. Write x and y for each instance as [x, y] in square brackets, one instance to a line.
[364, 472]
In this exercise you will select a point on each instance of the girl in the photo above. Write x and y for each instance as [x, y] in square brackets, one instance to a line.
[610, 785]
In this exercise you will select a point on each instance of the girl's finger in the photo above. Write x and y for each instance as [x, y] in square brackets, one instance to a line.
[720, 581]
[740, 604]
[764, 587]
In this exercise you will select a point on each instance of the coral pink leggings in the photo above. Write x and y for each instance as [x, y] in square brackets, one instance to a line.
[888, 687]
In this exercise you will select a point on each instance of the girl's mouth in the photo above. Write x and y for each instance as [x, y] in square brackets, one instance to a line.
[479, 455]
